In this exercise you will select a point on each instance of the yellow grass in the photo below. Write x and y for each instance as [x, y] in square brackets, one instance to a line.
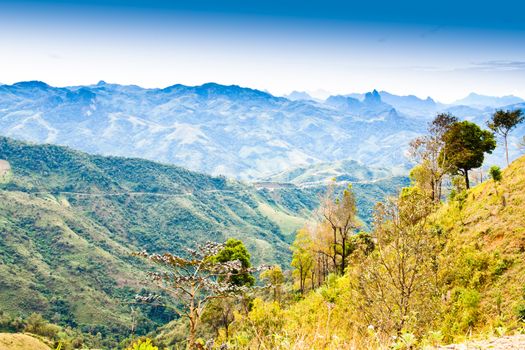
[19, 341]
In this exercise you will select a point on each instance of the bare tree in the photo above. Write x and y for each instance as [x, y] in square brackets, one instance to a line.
[340, 214]
[426, 151]
[194, 281]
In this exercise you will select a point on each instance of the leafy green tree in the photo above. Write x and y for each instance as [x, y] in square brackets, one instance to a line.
[219, 313]
[503, 122]
[465, 147]
[235, 250]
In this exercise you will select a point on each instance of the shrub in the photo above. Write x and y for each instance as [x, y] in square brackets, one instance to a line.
[495, 173]
[142, 344]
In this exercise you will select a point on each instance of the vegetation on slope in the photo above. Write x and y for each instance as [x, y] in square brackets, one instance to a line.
[433, 277]
[484, 251]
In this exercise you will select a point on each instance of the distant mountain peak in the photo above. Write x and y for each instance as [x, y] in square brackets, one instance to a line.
[372, 97]
[479, 100]
[298, 96]
[32, 84]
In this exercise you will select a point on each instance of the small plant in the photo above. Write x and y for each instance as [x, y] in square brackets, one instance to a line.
[501, 331]
[142, 344]
[405, 341]
[435, 338]
[520, 312]
[495, 173]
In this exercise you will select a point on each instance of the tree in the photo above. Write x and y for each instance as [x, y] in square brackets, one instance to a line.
[275, 278]
[235, 250]
[219, 313]
[341, 215]
[426, 150]
[197, 279]
[465, 147]
[397, 281]
[503, 122]
[302, 257]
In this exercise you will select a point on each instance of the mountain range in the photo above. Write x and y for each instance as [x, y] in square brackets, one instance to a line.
[222, 130]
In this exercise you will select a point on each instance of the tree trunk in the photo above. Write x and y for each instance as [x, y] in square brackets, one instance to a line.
[301, 280]
[439, 189]
[506, 149]
[193, 320]
[343, 251]
[433, 191]
[467, 183]
[334, 258]
[191, 339]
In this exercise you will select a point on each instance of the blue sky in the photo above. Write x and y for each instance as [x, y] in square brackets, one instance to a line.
[444, 49]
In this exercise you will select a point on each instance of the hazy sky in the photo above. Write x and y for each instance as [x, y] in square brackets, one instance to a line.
[444, 49]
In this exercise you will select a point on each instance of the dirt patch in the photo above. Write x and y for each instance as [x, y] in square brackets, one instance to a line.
[17, 341]
[513, 342]
[4, 167]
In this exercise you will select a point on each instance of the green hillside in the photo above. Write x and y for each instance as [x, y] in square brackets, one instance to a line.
[69, 221]
[146, 204]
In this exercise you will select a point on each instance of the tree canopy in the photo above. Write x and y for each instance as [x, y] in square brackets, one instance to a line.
[503, 122]
[235, 250]
[465, 147]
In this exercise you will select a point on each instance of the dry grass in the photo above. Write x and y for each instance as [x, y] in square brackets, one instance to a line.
[19, 341]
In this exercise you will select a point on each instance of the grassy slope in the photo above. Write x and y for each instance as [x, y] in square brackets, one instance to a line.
[21, 342]
[54, 258]
[485, 250]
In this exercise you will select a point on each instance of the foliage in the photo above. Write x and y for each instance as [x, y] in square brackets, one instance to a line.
[495, 173]
[303, 258]
[274, 277]
[465, 146]
[37, 325]
[340, 215]
[234, 250]
[502, 123]
[142, 344]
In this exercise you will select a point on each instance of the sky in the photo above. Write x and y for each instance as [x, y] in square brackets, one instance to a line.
[443, 49]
